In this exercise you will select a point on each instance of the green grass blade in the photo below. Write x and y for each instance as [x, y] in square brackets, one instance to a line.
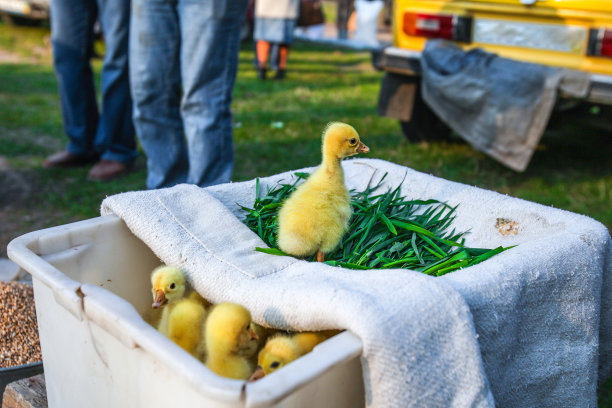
[434, 253]
[350, 265]
[459, 256]
[433, 244]
[488, 254]
[416, 248]
[412, 227]
[400, 262]
[452, 268]
[271, 251]
[387, 222]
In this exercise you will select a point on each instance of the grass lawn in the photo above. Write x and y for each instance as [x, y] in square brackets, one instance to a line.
[277, 128]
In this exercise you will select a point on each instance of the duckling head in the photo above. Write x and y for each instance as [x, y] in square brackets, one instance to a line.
[168, 285]
[231, 327]
[277, 352]
[341, 140]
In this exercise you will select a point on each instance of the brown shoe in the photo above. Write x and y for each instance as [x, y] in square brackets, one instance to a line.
[66, 159]
[106, 170]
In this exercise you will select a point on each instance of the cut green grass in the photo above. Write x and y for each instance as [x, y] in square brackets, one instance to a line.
[385, 231]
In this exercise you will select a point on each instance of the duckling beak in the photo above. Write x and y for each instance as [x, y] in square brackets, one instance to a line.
[259, 373]
[253, 333]
[160, 299]
[362, 148]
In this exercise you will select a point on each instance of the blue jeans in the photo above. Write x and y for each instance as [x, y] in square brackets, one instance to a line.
[183, 64]
[109, 134]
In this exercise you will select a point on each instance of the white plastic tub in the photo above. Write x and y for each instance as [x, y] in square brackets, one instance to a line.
[91, 288]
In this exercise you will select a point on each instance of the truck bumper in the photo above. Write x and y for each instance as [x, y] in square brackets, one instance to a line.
[35, 10]
[408, 62]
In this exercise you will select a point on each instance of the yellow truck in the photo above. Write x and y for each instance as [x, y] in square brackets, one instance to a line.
[574, 34]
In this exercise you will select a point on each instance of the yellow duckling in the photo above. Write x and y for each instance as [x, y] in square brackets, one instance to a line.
[255, 344]
[169, 284]
[315, 216]
[184, 312]
[306, 341]
[229, 332]
[282, 349]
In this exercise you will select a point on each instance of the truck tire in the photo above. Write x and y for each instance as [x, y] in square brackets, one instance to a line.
[424, 125]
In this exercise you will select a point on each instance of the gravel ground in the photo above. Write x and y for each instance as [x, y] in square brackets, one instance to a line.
[19, 343]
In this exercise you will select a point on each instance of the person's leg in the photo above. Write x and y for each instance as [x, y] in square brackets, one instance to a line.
[72, 39]
[263, 50]
[283, 56]
[115, 138]
[209, 61]
[156, 90]
[342, 17]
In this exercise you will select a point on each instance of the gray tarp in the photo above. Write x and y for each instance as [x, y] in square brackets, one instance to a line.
[500, 106]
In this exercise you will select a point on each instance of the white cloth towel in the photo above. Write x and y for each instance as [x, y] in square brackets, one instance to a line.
[527, 327]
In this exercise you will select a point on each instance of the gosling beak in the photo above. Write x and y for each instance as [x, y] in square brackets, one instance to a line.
[259, 373]
[160, 299]
[253, 333]
[362, 148]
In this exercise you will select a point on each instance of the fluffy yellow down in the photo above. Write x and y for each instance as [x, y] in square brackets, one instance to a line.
[315, 216]
[229, 334]
[281, 350]
[184, 310]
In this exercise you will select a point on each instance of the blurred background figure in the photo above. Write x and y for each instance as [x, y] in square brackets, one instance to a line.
[105, 138]
[311, 20]
[183, 64]
[275, 21]
[345, 9]
[366, 16]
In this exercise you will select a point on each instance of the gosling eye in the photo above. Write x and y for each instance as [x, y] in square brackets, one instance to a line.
[274, 364]
[172, 285]
[248, 326]
[352, 141]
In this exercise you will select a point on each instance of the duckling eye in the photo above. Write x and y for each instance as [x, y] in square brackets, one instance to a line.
[248, 326]
[274, 364]
[352, 141]
[172, 285]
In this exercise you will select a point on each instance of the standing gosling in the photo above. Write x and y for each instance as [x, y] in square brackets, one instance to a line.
[316, 215]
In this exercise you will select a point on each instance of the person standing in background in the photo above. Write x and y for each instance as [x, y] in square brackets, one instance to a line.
[345, 8]
[275, 21]
[311, 20]
[183, 65]
[107, 137]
